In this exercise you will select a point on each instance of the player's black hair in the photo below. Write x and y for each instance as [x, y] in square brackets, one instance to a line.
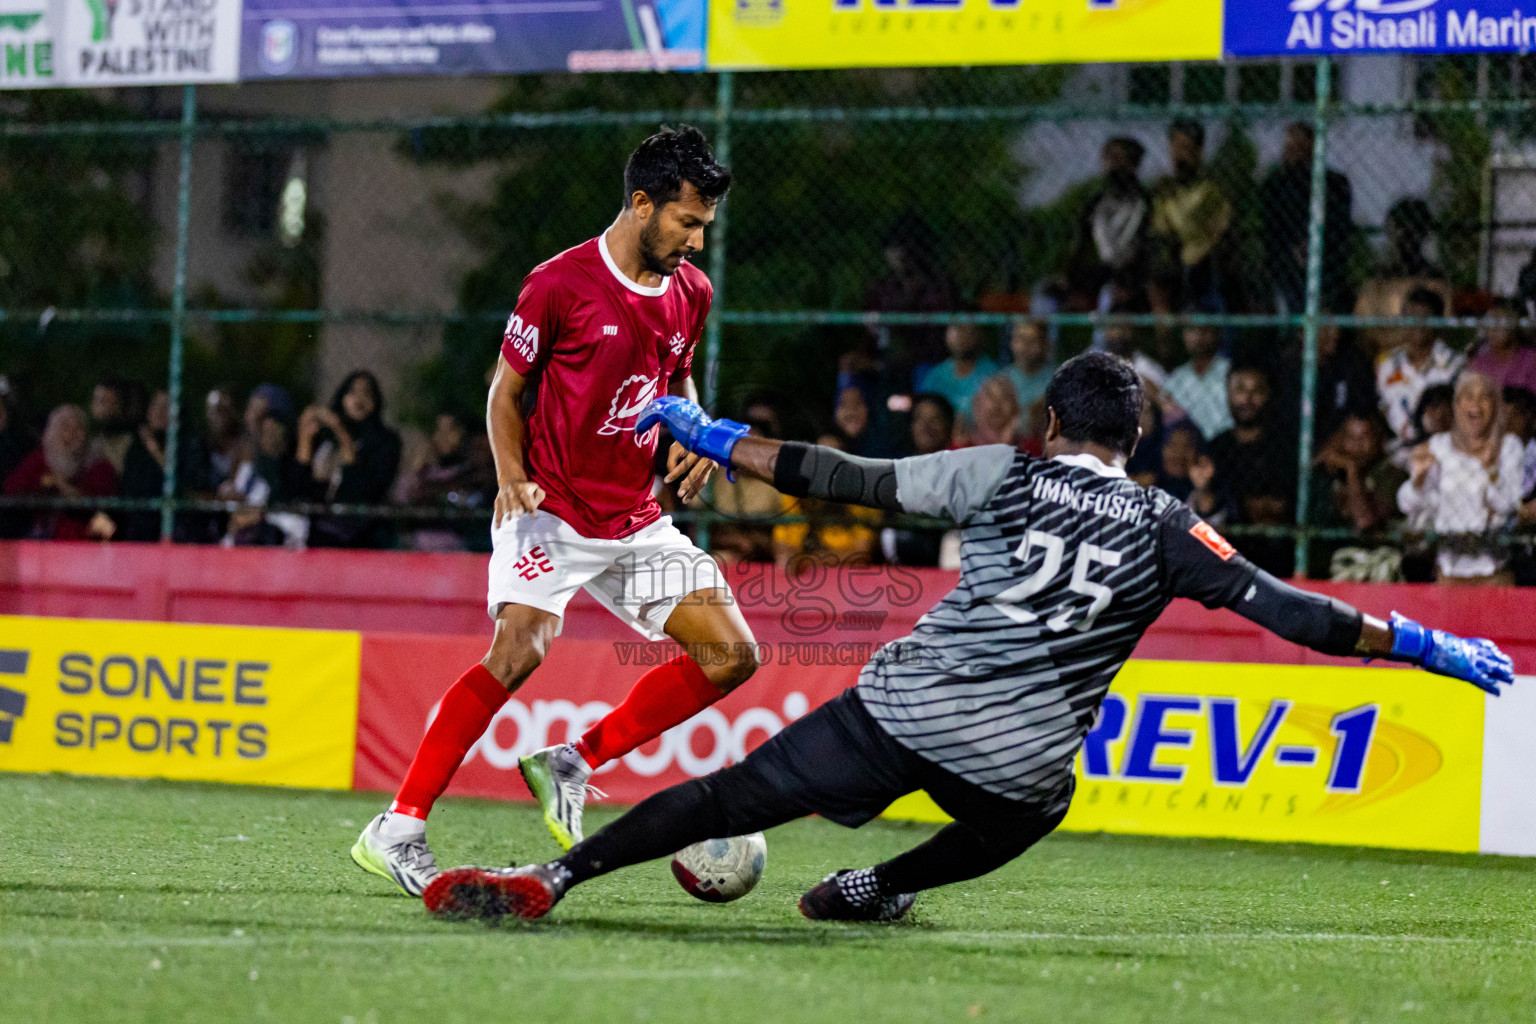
[1097, 398]
[1429, 299]
[1189, 127]
[662, 163]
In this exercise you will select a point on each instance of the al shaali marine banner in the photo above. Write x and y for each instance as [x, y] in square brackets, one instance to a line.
[927, 33]
[1297, 27]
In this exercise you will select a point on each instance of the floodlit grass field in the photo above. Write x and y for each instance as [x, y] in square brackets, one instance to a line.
[123, 902]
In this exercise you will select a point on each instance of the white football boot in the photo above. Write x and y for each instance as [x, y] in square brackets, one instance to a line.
[557, 777]
[400, 854]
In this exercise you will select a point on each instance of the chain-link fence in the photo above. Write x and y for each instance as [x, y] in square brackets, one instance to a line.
[1300, 257]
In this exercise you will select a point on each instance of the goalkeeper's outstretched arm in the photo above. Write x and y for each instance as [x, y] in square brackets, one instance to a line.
[1199, 565]
[797, 469]
[815, 471]
[1194, 568]
[1330, 626]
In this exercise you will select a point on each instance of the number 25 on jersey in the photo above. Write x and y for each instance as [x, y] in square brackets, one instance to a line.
[1009, 601]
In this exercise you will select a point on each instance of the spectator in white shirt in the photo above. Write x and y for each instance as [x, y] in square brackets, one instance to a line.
[1422, 360]
[1199, 387]
[1465, 485]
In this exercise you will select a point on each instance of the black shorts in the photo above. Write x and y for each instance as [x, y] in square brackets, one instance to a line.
[839, 763]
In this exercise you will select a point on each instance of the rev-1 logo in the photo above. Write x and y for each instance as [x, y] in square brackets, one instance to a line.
[1232, 762]
[1367, 6]
[13, 703]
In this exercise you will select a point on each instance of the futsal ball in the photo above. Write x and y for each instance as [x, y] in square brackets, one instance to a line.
[721, 870]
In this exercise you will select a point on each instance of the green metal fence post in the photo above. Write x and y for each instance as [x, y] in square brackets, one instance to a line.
[1315, 223]
[725, 97]
[178, 310]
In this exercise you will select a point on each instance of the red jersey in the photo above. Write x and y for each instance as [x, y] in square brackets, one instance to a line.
[602, 347]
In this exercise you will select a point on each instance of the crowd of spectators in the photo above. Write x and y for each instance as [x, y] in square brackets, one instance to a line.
[1413, 435]
[250, 462]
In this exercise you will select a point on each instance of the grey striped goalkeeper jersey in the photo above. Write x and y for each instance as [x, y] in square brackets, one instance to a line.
[1064, 563]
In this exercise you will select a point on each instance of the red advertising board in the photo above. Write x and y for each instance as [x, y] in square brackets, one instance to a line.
[815, 635]
[405, 675]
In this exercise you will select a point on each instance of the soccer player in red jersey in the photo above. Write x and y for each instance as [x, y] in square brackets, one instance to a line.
[598, 332]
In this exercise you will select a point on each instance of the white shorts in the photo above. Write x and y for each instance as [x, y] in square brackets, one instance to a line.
[540, 561]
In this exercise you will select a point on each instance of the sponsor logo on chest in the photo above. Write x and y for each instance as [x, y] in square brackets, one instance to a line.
[629, 400]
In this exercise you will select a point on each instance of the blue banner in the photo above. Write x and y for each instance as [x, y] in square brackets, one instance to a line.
[346, 38]
[1261, 28]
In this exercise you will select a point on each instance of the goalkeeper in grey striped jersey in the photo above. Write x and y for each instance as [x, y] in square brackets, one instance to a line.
[1064, 564]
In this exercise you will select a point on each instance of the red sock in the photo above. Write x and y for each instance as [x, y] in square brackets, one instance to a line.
[466, 710]
[663, 697]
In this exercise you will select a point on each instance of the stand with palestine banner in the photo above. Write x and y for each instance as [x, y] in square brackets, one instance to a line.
[98, 43]
[1359, 756]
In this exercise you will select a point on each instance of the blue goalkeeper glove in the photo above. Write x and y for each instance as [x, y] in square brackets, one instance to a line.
[692, 428]
[1479, 662]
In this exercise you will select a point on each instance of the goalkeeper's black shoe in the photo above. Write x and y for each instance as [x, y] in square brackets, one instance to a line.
[829, 902]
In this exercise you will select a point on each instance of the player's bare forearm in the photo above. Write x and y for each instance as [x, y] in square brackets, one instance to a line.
[693, 471]
[799, 470]
[515, 493]
[504, 423]
[1375, 638]
[683, 387]
[756, 457]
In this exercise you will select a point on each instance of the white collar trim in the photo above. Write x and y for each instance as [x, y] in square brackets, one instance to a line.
[1086, 461]
[634, 286]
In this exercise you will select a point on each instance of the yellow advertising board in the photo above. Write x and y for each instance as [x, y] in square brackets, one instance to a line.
[156, 700]
[928, 33]
[1357, 756]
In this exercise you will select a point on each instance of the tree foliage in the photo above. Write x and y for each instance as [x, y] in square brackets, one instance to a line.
[73, 236]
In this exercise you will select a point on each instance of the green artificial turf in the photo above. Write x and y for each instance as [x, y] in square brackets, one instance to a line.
[123, 902]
